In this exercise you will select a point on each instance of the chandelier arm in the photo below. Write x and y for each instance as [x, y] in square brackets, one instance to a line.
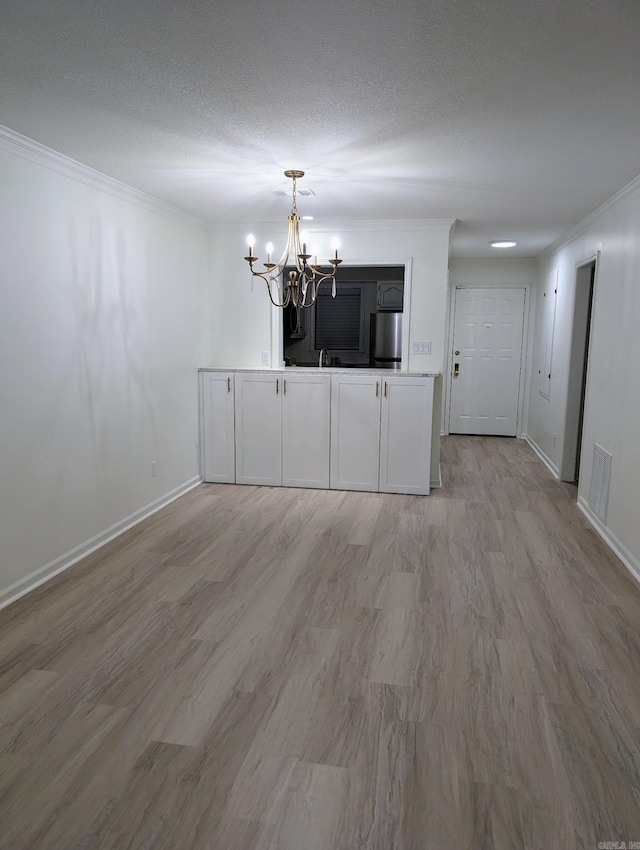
[278, 301]
[314, 298]
[277, 268]
[282, 300]
[316, 289]
[321, 279]
[301, 263]
[305, 303]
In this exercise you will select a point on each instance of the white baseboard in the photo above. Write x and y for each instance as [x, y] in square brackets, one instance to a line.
[631, 563]
[437, 480]
[59, 565]
[543, 457]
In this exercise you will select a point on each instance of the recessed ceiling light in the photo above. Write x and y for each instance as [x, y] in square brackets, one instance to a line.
[307, 218]
[504, 244]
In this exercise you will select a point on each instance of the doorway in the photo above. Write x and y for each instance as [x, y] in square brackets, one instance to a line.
[578, 362]
[486, 374]
[340, 326]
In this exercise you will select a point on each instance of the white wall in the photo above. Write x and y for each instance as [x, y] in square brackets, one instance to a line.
[104, 322]
[612, 408]
[243, 325]
[500, 271]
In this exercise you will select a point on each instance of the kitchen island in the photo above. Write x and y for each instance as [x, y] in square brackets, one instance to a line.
[333, 427]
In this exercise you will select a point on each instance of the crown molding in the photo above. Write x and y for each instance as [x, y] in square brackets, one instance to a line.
[587, 223]
[397, 225]
[26, 148]
[452, 233]
[359, 226]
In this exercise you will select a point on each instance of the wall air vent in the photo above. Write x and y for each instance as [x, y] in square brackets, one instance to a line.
[600, 481]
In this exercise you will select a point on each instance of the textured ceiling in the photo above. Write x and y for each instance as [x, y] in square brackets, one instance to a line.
[516, 117]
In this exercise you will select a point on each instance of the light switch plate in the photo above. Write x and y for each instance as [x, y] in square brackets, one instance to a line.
[266, 358]
[421, 348]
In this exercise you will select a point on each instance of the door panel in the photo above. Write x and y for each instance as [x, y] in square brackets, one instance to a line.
[488, 329]
[218, 438]
[355, 432]
[405, 435]
[258, 428]
[305, 430]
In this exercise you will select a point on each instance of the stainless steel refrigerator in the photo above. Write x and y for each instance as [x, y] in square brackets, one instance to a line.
[385, 349]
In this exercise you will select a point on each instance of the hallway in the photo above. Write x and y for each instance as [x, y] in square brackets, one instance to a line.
[274, 669]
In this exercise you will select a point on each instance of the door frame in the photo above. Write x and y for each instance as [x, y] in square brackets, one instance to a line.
[448, 350]
[574, 410]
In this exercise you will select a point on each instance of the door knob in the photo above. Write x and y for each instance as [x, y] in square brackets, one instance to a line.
[456, 370]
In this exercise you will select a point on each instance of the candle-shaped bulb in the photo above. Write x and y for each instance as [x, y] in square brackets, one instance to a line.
[269, 251]
[335, 244]
[251, 241]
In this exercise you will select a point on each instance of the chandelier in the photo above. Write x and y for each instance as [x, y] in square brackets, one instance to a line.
[304, 280]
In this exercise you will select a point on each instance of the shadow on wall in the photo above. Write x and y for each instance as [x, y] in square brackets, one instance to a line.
[110, 304]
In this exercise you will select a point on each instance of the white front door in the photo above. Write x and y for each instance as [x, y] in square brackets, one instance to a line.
[486, 360]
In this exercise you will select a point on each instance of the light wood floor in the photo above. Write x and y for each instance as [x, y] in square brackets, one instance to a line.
[272, 669]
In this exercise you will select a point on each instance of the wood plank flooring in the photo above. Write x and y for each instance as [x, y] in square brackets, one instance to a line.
[274, 669]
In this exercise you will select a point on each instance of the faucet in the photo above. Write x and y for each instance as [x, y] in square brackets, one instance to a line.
[323, 360]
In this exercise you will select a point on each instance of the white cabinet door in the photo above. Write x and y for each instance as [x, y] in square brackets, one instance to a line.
[405, 435]
[305, 430]
[258, 428]
[217, 427]
[355, 432]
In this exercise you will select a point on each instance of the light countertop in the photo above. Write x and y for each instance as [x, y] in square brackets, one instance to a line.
[329, 370]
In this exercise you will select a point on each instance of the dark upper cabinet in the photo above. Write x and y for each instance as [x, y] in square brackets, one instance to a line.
[390, 295]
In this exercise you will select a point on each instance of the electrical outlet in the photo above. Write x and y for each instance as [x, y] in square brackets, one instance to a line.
[555, 437]
[154, 468]
[266, 358]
